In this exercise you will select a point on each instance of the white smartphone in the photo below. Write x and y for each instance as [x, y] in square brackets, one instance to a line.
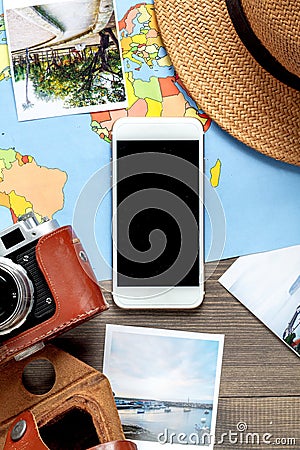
[157, 212]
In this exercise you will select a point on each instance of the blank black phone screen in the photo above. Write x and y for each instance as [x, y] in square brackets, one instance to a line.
[157, 217]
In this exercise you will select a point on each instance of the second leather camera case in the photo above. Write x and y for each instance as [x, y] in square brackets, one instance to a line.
[77, 413]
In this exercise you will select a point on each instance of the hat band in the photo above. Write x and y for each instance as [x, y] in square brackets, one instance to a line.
[256, 48]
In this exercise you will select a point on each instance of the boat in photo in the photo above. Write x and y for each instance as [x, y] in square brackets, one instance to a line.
[187, 408]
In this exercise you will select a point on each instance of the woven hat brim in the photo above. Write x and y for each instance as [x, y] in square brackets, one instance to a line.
[226, 81]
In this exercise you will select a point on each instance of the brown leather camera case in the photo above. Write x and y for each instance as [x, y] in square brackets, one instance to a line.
[74, 287]
[79, 390]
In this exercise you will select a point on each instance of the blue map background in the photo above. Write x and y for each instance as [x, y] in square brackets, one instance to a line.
[259, 195]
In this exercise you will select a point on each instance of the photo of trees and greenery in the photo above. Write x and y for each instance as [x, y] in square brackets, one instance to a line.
[65, 58]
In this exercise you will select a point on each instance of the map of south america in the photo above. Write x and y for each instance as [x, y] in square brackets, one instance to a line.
[26, 186]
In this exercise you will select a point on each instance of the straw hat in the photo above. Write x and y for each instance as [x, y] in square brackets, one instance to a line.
[240, 61]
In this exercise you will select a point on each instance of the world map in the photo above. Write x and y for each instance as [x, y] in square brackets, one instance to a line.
[153, 89]
[46, 163]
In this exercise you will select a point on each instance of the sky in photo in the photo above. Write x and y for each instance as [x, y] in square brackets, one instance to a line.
[163, 367]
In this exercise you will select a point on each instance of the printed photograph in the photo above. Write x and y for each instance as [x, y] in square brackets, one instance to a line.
[65, 57]
[165, 383]
[268, 284]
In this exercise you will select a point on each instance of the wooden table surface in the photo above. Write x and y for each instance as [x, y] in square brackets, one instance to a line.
[260, 374]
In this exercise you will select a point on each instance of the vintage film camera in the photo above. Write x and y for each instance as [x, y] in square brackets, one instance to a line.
[26, 299]
[47, 284]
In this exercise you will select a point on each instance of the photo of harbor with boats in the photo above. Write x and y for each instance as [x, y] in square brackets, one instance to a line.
[153, 420]
[165, 384]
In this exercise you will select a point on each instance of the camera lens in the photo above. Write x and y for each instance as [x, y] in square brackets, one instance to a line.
[8, 295]
[16, 295]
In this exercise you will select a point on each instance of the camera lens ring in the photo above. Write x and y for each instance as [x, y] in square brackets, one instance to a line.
[23, 295]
